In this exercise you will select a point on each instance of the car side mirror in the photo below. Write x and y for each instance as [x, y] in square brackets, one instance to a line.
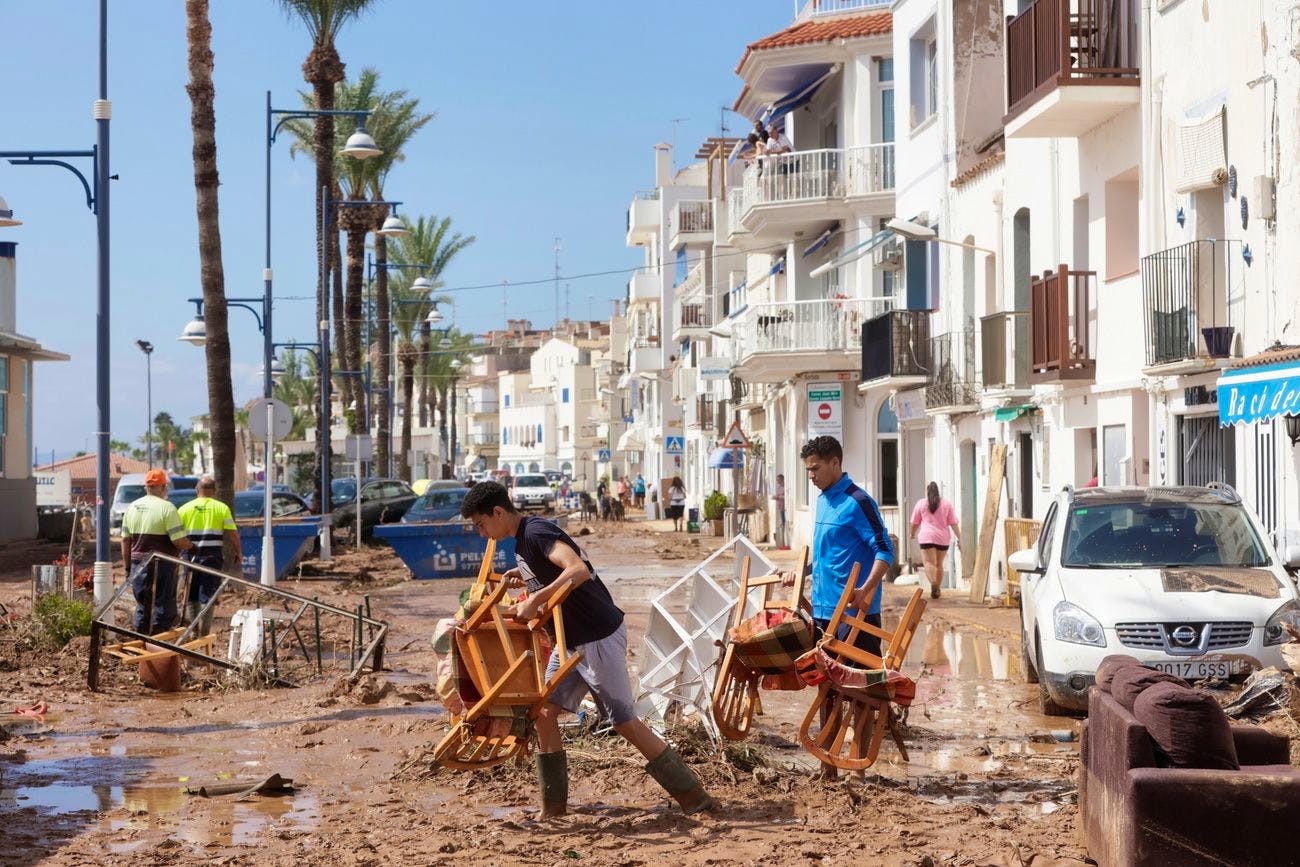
[1026, 560]
[1293, 557]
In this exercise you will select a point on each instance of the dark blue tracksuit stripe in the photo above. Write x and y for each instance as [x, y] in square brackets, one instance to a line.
[879, 539]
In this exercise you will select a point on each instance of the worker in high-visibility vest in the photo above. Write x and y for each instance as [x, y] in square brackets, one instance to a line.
[208, 524]
[151, 526]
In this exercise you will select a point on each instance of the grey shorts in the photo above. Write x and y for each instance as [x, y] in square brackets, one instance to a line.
[601, 671]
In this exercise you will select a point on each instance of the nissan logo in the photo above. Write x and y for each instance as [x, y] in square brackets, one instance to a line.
[1183, 636]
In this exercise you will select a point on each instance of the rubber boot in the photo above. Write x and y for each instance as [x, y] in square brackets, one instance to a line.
[553, 780]
[671, 772]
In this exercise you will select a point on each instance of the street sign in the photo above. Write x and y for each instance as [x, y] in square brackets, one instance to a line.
[674, 445]
[602, 456]
[736, 438]
[825, 402]
[715, 369]
[357, 447]
[54, 489]
[281, 418]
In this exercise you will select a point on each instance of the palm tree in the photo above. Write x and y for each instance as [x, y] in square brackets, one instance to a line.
[410, 307]
[203, 123]
[323, 69]
[441, 373]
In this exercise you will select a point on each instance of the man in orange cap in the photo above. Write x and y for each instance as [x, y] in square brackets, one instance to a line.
[152, 524]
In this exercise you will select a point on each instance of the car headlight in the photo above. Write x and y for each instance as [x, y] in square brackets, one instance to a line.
[1273, 632]
[1074, 625]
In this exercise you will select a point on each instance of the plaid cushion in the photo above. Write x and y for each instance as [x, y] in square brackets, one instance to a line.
[882, 684]
[771, 641]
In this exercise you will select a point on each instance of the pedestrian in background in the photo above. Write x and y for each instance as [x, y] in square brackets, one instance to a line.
[208, 525]
[779, 496]
[152, 525]
[638, 491]
[676, 502]
[934, 525]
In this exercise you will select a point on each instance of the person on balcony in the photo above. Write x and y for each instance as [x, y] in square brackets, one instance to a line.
[754, 150]
[778, 143]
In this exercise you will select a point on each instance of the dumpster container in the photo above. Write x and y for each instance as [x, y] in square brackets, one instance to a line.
[290, 540]
[443, 550]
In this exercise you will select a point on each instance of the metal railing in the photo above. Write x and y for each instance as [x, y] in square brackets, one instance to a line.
[952, 370]
[800, 326]
[1060, 305]
[870, 169]
[479, 438]
[896, 343]
[690, 216]
[822, 8]
[1187, 292]
[1004, 349]
[482, 407]
[1049, 45]
[737, 204]
[802, 176]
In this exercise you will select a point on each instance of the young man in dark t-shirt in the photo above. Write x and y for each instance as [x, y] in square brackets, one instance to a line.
[594, 627]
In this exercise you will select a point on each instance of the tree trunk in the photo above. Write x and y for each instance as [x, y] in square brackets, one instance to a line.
[383, 362]
[203, 121]
[408, 394]
[356, 255]
[322, 70]
[425, 340]
[442, 431]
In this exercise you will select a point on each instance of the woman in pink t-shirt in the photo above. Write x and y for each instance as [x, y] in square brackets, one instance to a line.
[934, 525]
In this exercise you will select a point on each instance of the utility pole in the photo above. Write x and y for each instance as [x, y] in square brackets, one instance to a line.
[568, 314]
[558, 248]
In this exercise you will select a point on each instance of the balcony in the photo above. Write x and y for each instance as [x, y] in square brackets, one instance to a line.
[482, 407]
[690, 308]
[484, 438]
[735, 210]
[1187, 292]
[643, 218]
[1004, 350]
[702, 412]
[775, 341]
[951, 386]
[685, 384]
[1060, 305]
[1068, 71]
[896, 348]
[645, 287]
[645, 355]
[795, 191]
[821, 9]
[690, 222]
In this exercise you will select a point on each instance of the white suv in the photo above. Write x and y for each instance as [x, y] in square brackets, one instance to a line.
[1181, 578]
[531, 491]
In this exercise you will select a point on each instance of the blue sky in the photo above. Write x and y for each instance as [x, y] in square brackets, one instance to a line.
[546, 114]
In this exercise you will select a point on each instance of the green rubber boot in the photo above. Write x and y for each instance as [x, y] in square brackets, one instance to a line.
[553, 780]
[671, 772]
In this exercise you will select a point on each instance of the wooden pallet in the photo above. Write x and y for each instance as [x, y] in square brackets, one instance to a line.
[140, 651]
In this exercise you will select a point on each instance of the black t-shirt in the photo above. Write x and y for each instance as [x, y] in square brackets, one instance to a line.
[589, 612]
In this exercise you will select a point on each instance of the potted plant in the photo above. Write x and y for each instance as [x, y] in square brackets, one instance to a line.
[1218, 340]
[714, 505]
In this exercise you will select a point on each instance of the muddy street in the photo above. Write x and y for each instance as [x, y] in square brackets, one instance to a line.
[989, 781]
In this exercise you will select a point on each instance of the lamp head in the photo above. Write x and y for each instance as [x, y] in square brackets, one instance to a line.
[196, 331]
[422, 284]
[360, 146]
[393, 227]
[145, 346]
[909, 230]
[434, 317]
[1292, 428]
[7, 216]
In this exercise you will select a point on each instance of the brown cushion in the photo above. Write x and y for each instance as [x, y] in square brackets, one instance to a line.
[1111, 664]
[1188, 727]
[1128, 683]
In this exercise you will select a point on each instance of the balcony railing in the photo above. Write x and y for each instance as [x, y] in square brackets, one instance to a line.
[736, 207]
[1048, 46]
[824, 8]
[482, 407]
[800, 326]
[814, 175]
[690, 216]
[484, 439]
[643, 213]
[952, 371]
[644, 287]
[1060, 305]
[1187, 291]
[1004, 349]
[896, 344]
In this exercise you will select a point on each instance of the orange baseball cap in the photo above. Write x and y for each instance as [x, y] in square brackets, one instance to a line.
[155, 479]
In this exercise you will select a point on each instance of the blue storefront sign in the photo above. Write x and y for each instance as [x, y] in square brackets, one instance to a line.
[1250, 394]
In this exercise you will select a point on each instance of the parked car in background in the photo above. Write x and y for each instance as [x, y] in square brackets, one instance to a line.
[342, 490]
[554, 477]
[129, 489]
[278, 489]
[531, 492]
[437, 504]
[181, 496]
[1182, 578]
[183, 483]
[383, 501]
[249, 504]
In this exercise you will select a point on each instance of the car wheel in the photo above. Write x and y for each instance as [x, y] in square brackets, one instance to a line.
[1046, 706]
[1028, 668]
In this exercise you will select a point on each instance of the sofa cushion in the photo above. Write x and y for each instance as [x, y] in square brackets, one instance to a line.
[1111, 664]
[1188, 727]
[1128, 683]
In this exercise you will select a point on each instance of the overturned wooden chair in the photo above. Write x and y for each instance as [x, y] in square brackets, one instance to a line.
[858, 691]
[500, 667]
[760, 651]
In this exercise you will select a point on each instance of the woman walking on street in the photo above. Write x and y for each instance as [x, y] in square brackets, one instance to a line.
[676, 502]
[934, 525]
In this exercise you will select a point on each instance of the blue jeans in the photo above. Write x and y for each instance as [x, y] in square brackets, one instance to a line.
[203, 585]
[154, 587]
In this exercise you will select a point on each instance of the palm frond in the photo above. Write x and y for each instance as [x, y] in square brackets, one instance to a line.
[325, 18]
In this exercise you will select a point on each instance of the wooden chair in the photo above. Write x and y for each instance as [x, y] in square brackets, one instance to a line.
[856, 718]
[501, 667]
[735, 692]
[141, 651]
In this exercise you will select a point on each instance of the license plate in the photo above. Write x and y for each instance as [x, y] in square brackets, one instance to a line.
[1198, 670]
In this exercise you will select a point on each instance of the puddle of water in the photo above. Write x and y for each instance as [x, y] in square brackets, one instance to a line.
[58, 800]
[947, 651]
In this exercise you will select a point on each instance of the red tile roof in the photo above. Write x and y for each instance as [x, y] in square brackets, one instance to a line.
[808, 32]
[83, 466]
[1273, 355]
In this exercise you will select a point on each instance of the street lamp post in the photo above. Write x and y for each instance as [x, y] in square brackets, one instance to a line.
[147, 348]
[97, 200]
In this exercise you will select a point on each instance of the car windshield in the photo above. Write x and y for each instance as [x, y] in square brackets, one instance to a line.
[343, 489]
[248, 505]
[441, 499]
[531, 482]
[1149, 535]
[129, 493]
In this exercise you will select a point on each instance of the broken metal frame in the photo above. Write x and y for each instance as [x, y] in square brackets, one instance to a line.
[372, 650]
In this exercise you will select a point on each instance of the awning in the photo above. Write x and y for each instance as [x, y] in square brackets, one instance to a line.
[1011, 413]
[1259, 392]
[794, 99]
[632, 440]
[822, 240]
[726, 459]
[778, 267]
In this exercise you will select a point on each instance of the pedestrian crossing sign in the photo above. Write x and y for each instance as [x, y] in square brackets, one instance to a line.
[674, 445]
[603, 456]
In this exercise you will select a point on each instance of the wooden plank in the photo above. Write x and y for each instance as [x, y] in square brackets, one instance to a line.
[1017, 534]
[979, 582]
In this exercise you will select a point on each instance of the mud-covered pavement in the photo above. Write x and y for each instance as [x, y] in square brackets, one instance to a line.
[989, 781]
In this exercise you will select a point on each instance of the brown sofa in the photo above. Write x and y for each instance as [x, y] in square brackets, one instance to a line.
[1134, 812]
